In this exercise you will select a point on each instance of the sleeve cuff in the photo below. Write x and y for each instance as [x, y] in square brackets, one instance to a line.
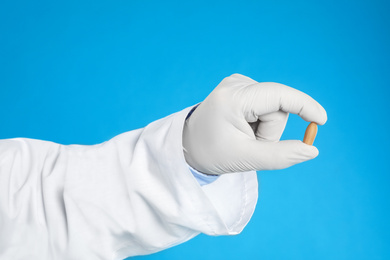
[222, 207]
[203, 179]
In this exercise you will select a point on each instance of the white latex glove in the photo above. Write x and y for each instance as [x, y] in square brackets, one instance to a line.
[238, 126]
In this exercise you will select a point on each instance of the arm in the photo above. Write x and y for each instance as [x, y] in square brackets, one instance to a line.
[131, 195]
[135, 194]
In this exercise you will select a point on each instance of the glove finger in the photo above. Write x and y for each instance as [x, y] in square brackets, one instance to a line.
[271, 126]
[270, 97]
[279, 155]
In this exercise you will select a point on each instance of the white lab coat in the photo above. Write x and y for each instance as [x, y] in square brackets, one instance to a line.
[131, 195]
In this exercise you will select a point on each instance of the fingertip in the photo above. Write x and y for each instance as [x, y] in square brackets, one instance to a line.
[309, 151]
[312, 151]
[323, 116]
[297, 102]
[314, 113]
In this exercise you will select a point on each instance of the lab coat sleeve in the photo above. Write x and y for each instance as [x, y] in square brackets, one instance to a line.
[131, 195]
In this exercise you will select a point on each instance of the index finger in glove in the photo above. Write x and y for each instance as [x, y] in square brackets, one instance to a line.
[269, 97]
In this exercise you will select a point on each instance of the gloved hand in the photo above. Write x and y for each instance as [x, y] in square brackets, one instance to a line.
[238, 126]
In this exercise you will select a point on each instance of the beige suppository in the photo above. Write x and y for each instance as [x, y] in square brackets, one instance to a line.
[310, 133]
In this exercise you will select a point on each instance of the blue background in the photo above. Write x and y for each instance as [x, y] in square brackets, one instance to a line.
[85, 71]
